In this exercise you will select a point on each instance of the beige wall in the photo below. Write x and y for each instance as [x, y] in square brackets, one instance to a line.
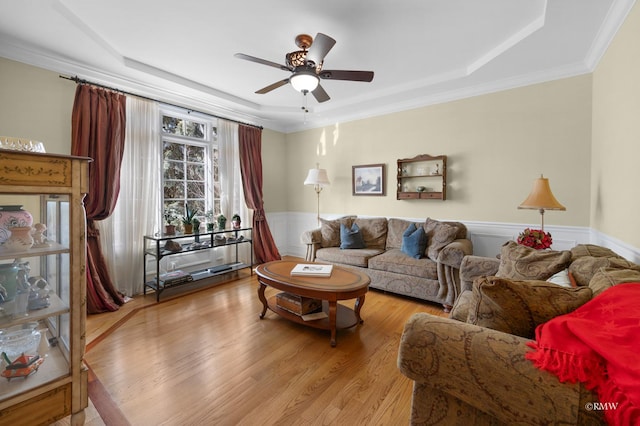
[496, 144]
[274, 165]
[36, 104]
[616, 136]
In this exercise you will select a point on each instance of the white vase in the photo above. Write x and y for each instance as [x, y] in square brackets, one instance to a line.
[43, 346]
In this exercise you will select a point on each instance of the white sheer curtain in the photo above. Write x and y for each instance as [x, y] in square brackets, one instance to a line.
[231, 189]
[137, 211]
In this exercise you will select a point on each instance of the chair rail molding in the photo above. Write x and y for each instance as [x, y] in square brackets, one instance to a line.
[487, 237]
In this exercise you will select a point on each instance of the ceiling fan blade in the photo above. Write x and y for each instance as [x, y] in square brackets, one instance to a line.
[272, 86]
[321, 45]
[262, 61]
[346, 75]
[320, 94]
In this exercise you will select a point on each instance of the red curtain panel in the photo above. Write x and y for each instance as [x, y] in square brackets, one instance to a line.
[98, 123]
[250, 139]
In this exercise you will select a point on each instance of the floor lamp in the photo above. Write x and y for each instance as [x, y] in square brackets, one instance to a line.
[319, 179]
[541, 198]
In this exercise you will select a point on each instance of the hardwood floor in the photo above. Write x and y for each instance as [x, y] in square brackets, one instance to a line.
[207, 358]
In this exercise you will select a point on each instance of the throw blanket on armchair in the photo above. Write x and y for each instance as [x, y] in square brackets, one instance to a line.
[598, 344]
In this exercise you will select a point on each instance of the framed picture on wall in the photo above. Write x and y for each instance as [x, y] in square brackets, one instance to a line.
[368, 179]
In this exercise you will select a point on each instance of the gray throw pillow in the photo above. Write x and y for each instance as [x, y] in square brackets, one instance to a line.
[351, 238]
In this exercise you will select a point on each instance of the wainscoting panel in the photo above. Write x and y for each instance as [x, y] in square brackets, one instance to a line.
[487, 237]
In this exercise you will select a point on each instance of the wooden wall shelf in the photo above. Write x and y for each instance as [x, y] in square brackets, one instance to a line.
[422, 171]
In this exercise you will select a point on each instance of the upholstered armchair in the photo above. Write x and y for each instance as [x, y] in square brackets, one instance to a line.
[471, 369]
[469, 375]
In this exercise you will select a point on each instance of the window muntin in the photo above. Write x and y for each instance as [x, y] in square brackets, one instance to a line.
[184, 127]
[190, 166]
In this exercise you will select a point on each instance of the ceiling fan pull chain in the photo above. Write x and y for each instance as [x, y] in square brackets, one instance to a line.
[304, 108]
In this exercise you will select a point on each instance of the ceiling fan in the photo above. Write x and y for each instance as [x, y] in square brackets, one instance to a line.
[306, 67]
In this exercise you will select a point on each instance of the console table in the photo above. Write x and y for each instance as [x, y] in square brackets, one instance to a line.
[155, 246]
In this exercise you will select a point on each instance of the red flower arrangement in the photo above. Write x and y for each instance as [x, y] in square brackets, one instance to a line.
[535, 238]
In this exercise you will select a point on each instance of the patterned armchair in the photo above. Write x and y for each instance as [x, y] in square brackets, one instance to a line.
[469, 375]
[470, 368]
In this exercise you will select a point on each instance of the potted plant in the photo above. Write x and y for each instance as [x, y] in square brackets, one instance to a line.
[187, 219]
[210, 222]
[235, 221]
[222, 222]
[169, 218]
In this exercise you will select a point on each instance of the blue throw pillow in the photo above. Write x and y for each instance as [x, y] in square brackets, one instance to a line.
[414, 241]
[351, 238]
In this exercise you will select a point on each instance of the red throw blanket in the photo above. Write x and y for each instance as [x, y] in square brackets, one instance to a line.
[598, 344]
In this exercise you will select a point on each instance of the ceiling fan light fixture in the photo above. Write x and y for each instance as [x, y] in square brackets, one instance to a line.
[304, 81]
[297, 58]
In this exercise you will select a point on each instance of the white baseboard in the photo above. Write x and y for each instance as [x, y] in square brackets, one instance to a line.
[487, 237]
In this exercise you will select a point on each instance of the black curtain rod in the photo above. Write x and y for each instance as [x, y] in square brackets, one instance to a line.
[78, 80]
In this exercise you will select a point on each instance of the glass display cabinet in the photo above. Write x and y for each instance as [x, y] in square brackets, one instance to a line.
[42, 288]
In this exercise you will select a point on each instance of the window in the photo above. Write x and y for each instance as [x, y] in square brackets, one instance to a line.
[190, 165]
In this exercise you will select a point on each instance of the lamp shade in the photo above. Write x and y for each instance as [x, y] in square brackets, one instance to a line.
[317, 177]
[304, 81]
[541, 197]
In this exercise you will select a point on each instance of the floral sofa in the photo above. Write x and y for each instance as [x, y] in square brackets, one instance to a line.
[432, 276]
[470, 368]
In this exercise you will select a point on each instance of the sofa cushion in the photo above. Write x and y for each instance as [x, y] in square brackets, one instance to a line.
[394, 260]
[439, 234]
[518, 262]
[518, 307]
[414, 241]
[584, 268]
[395, 230]
[462, 229]
[351, 238]
[592, 250]
[608, 277]
[374, 231]
[460, 310]
[330, 230]
[354, 257]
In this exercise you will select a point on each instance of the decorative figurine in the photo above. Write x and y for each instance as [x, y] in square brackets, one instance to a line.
[23, 366]
[39, 239]
[39, 293]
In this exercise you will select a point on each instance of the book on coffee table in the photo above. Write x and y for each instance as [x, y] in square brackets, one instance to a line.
[314, 316]
[297, 304]
[312, 270]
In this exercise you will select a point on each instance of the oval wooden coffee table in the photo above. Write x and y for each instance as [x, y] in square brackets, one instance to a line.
[343, 284]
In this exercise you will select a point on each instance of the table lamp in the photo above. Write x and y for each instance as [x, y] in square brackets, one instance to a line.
[541, 198]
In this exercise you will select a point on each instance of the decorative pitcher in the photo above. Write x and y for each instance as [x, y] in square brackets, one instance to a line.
[20, 239]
